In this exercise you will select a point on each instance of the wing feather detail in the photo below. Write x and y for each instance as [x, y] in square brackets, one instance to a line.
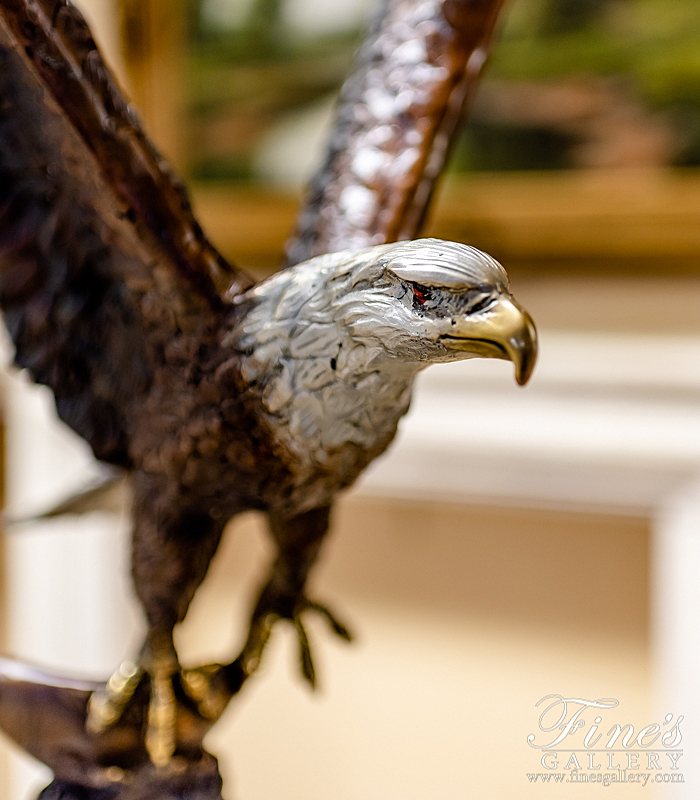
[397, 117]
[91, 299]
[58, 42]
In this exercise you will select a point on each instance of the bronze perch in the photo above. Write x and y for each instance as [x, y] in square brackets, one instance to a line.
[218, 395]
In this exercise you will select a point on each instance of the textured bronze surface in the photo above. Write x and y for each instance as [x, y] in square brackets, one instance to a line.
[397, 117]
[58, 42]
[115, 299]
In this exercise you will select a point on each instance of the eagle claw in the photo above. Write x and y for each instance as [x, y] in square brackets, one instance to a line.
[271, 608]
[106, 706]
[169, 684]
[335, 625]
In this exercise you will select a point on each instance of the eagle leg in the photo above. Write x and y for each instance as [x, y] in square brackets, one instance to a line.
[298, 539]
[172, 547]
[159, 665]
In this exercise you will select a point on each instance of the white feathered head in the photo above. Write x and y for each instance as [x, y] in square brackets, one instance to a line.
[428, 301]
[412, 304]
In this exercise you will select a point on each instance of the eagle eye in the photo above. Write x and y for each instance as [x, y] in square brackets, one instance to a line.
[421, 293]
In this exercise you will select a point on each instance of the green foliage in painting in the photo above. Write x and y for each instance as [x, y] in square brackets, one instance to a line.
[635, 60]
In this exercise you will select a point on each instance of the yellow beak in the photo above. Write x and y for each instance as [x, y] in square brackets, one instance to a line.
[504, 331]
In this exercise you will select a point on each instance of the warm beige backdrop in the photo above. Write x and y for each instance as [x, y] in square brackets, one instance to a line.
[465, 617]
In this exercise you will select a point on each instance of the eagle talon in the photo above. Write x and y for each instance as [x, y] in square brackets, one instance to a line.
[162, 715]
[198, 685]
[270, 608]
[305, 659]
[335, 625]
[107, 705]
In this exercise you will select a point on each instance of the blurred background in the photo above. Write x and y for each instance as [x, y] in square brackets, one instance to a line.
[514, 543]
[573, 84]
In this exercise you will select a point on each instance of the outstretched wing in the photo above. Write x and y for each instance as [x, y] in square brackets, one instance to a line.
[103, 268]
[397, 117]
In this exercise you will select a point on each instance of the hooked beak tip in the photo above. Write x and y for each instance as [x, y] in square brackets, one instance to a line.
[521, 342]
[523, 374]
[524, 351]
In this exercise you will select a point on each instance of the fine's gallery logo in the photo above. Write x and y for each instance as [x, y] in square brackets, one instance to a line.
[580, 741]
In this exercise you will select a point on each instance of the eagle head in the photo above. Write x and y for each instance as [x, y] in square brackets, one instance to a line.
[430, 301]
[332, 345]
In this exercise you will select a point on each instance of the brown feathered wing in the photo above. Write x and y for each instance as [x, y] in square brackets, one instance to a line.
[102, 264]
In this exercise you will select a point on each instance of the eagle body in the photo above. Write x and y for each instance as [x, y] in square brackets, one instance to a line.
[312, 371]
[216, 394]
[332, 397]
[330, 349]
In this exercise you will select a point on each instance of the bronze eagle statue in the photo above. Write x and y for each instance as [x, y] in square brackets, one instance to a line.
[220, 395]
